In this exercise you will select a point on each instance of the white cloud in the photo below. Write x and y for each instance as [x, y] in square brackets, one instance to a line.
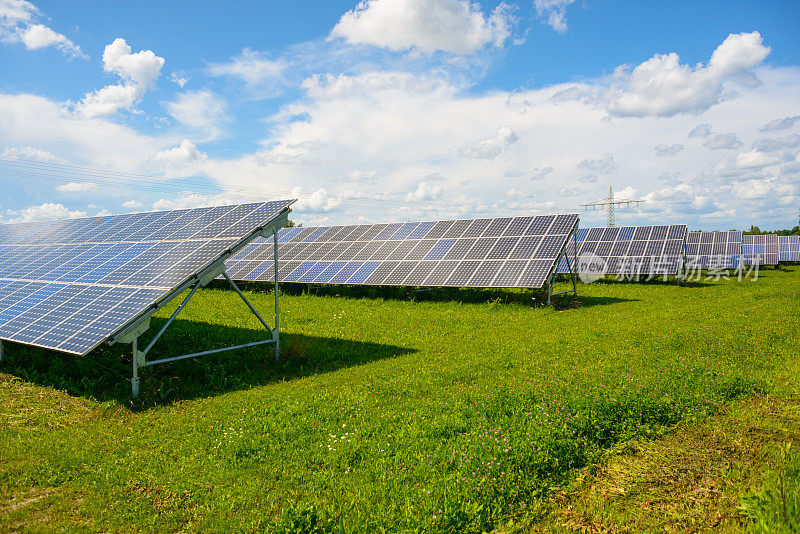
[424, 192]
[702, 130]
[456, 26]
[663, 87]
[138, 73]
[756, 160]
[133, 204]
[15, 26]
[775, 144]
[30, 153]
[36, 128]
[555, 11]
[179, 78]
[492, 147]
[201, 111]
[39, 36]
[317, 202]
[540, 174]
[45, 212]
[180, 156]
[604, 165]
[193, 200]
[78, 187]
[255, 69]
[665, 151]
[728, 141]
[780, 124]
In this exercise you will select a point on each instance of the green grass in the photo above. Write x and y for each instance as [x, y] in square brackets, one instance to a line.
[386, 413]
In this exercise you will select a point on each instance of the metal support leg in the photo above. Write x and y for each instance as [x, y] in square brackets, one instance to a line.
[135, 378]
[276, 333]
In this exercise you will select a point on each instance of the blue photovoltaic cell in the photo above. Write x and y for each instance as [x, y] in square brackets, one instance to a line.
[363, 272]
[72, 284]
[440, 249]
[329, 272]
[313, 272]
[421, 230]
[298, 272]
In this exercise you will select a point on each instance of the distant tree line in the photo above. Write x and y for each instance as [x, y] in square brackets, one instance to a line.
[755, 230]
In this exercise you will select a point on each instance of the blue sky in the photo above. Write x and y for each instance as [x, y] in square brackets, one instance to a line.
[403, 109]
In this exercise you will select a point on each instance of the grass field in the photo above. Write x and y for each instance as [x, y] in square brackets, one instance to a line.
[449, 410]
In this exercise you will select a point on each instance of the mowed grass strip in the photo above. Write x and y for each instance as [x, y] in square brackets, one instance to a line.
[385, 414]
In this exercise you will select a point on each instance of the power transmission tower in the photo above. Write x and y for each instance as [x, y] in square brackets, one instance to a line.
[609, 204]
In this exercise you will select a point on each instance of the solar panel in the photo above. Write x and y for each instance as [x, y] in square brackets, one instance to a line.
[713, 250]
[70, 285]
[760, 249]
[633, 250]
[501, 252]
[789, 248]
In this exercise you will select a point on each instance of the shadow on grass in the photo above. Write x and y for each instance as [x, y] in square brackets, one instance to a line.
[103, 374]
[467, 295]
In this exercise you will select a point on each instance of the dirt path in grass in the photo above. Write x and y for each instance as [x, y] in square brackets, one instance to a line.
[690, 480]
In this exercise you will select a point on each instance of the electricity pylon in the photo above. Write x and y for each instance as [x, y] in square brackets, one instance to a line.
[609, 203]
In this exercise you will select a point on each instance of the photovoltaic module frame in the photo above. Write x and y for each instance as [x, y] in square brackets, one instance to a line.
[499, 252]
[789, 248]
[70, 285]
[632, 250]
[760, 249]
[713, 250]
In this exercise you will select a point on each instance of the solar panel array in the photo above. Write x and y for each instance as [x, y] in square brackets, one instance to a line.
[70, 284]
[789, 248]
[501, 252]
[713, 250]
[633, 250]
[760, 249]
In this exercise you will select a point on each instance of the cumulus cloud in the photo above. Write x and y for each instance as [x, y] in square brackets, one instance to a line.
[455, 26]
[16, 26]
[424, 192]
[132, 204]
[780, 124]
[775, 144]
[540, 173]
[603, 165]
[701, 130]
[179, 78]
[192, 200]
[663, 87]
[254, 68]
[555, 11]
[665, 151]
[180, 156]
[492, 147]
[755, 159]
[29, 152]
[78, 187]
[317, 202]
[44, 212]
[138, 73]
[202, 111]
[728, 141]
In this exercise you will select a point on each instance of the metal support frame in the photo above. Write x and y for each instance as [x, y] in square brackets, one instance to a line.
[140, 356]
[681, 274]
[572, 268]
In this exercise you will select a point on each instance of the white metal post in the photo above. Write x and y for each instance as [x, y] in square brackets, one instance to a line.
[135, 378]
[277, 332]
